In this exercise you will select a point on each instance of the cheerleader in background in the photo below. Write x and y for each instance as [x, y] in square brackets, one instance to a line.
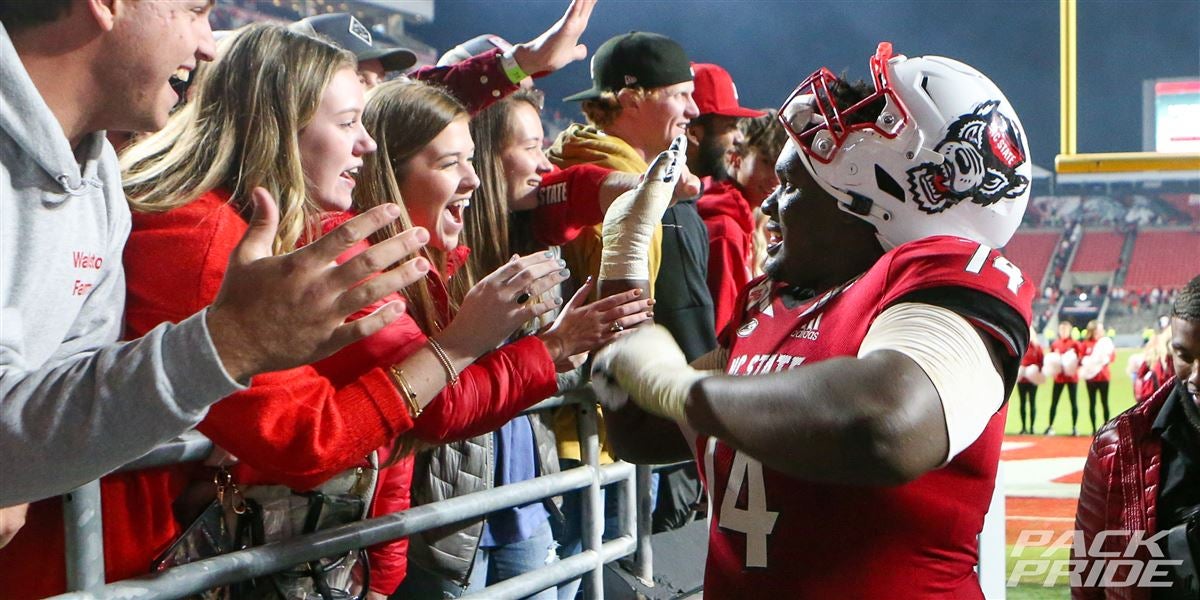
[1098, 353]
[1029, 378]
[1062, 364]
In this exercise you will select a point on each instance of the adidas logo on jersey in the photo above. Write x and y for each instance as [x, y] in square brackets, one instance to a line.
[810, 330]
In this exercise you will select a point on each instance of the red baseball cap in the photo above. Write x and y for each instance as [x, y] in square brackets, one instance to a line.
[715, 93]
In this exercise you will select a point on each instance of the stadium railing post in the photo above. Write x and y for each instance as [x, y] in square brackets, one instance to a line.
[644, 559]
[83, 537]
[593, 508]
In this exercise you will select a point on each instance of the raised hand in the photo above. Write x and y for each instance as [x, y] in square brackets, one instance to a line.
[630, 220]
[502, 302]
[558, 46]
[687, 186]
[278, 312]
[583, 327]
[12, 519]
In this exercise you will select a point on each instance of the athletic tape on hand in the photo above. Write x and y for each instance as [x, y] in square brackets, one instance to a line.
[649, 368]
[630, 220]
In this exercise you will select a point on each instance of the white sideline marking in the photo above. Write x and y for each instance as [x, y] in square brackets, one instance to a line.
[1034, 477]
[1007, 446]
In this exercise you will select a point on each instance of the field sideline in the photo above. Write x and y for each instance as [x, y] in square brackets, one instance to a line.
[1052, 513]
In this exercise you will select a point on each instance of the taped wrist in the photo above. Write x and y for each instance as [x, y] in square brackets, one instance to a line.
[651, 368]
[631, 219]
[628, 226]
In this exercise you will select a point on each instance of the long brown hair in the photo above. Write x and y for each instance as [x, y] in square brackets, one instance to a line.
[493, 232]
[403, 117]
[241, 129]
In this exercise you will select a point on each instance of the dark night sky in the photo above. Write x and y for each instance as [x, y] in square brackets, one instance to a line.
[769, 45]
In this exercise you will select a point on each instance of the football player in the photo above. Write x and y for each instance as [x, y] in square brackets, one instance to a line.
[850, 446]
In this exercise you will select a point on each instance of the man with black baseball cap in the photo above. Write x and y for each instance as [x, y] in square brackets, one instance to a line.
[637, 59]
[639, 101]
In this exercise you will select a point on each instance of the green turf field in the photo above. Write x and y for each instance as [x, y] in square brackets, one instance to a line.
[1120, 397]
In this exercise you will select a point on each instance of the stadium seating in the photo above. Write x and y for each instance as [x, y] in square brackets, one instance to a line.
[1099, 251]
[1144, 208]
[1164, 258]
[1032, 251]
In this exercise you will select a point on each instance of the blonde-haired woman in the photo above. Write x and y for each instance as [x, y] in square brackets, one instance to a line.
[278, 111]
[424, 163]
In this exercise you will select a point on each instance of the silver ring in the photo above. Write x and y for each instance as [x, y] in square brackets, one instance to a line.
[523, 297]
[616, 327]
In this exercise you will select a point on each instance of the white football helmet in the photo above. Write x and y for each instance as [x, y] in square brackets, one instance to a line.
[946, 154]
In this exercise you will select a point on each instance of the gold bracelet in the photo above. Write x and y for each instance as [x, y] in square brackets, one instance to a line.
[410, 397]
[451, 374]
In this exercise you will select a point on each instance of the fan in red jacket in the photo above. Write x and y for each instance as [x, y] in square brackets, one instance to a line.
[728, 208]
[425, 168]
[1063, 363]
[1142, 478]
[1028, 380]
[294, 427]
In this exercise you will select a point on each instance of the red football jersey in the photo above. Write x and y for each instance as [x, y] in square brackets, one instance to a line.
[778, 536]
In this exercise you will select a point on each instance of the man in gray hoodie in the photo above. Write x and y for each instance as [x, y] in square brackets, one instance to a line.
[74, 403]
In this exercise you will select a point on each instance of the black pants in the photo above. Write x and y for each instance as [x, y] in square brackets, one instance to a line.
[1092, 388]
[1058, 388]
[1027, 392]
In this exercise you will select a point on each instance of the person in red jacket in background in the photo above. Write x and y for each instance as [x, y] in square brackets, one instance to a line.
[1098, 354]
[728, 206]
[1140, 496]
[1065, 353]
[1028, 380]
[1155, 366]
[190, 188]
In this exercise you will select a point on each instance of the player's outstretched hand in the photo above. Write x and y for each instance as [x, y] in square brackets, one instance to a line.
[278, 312]
[648, 368]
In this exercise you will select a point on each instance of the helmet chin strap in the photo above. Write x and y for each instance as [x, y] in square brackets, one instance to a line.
[870, 211]
[853, 203]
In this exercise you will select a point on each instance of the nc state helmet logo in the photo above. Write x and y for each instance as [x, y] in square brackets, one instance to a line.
[982, 151]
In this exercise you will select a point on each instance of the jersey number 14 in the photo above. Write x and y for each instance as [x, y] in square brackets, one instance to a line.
[755, 521]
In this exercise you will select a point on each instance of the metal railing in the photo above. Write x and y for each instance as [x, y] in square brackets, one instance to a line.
[85, 551]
